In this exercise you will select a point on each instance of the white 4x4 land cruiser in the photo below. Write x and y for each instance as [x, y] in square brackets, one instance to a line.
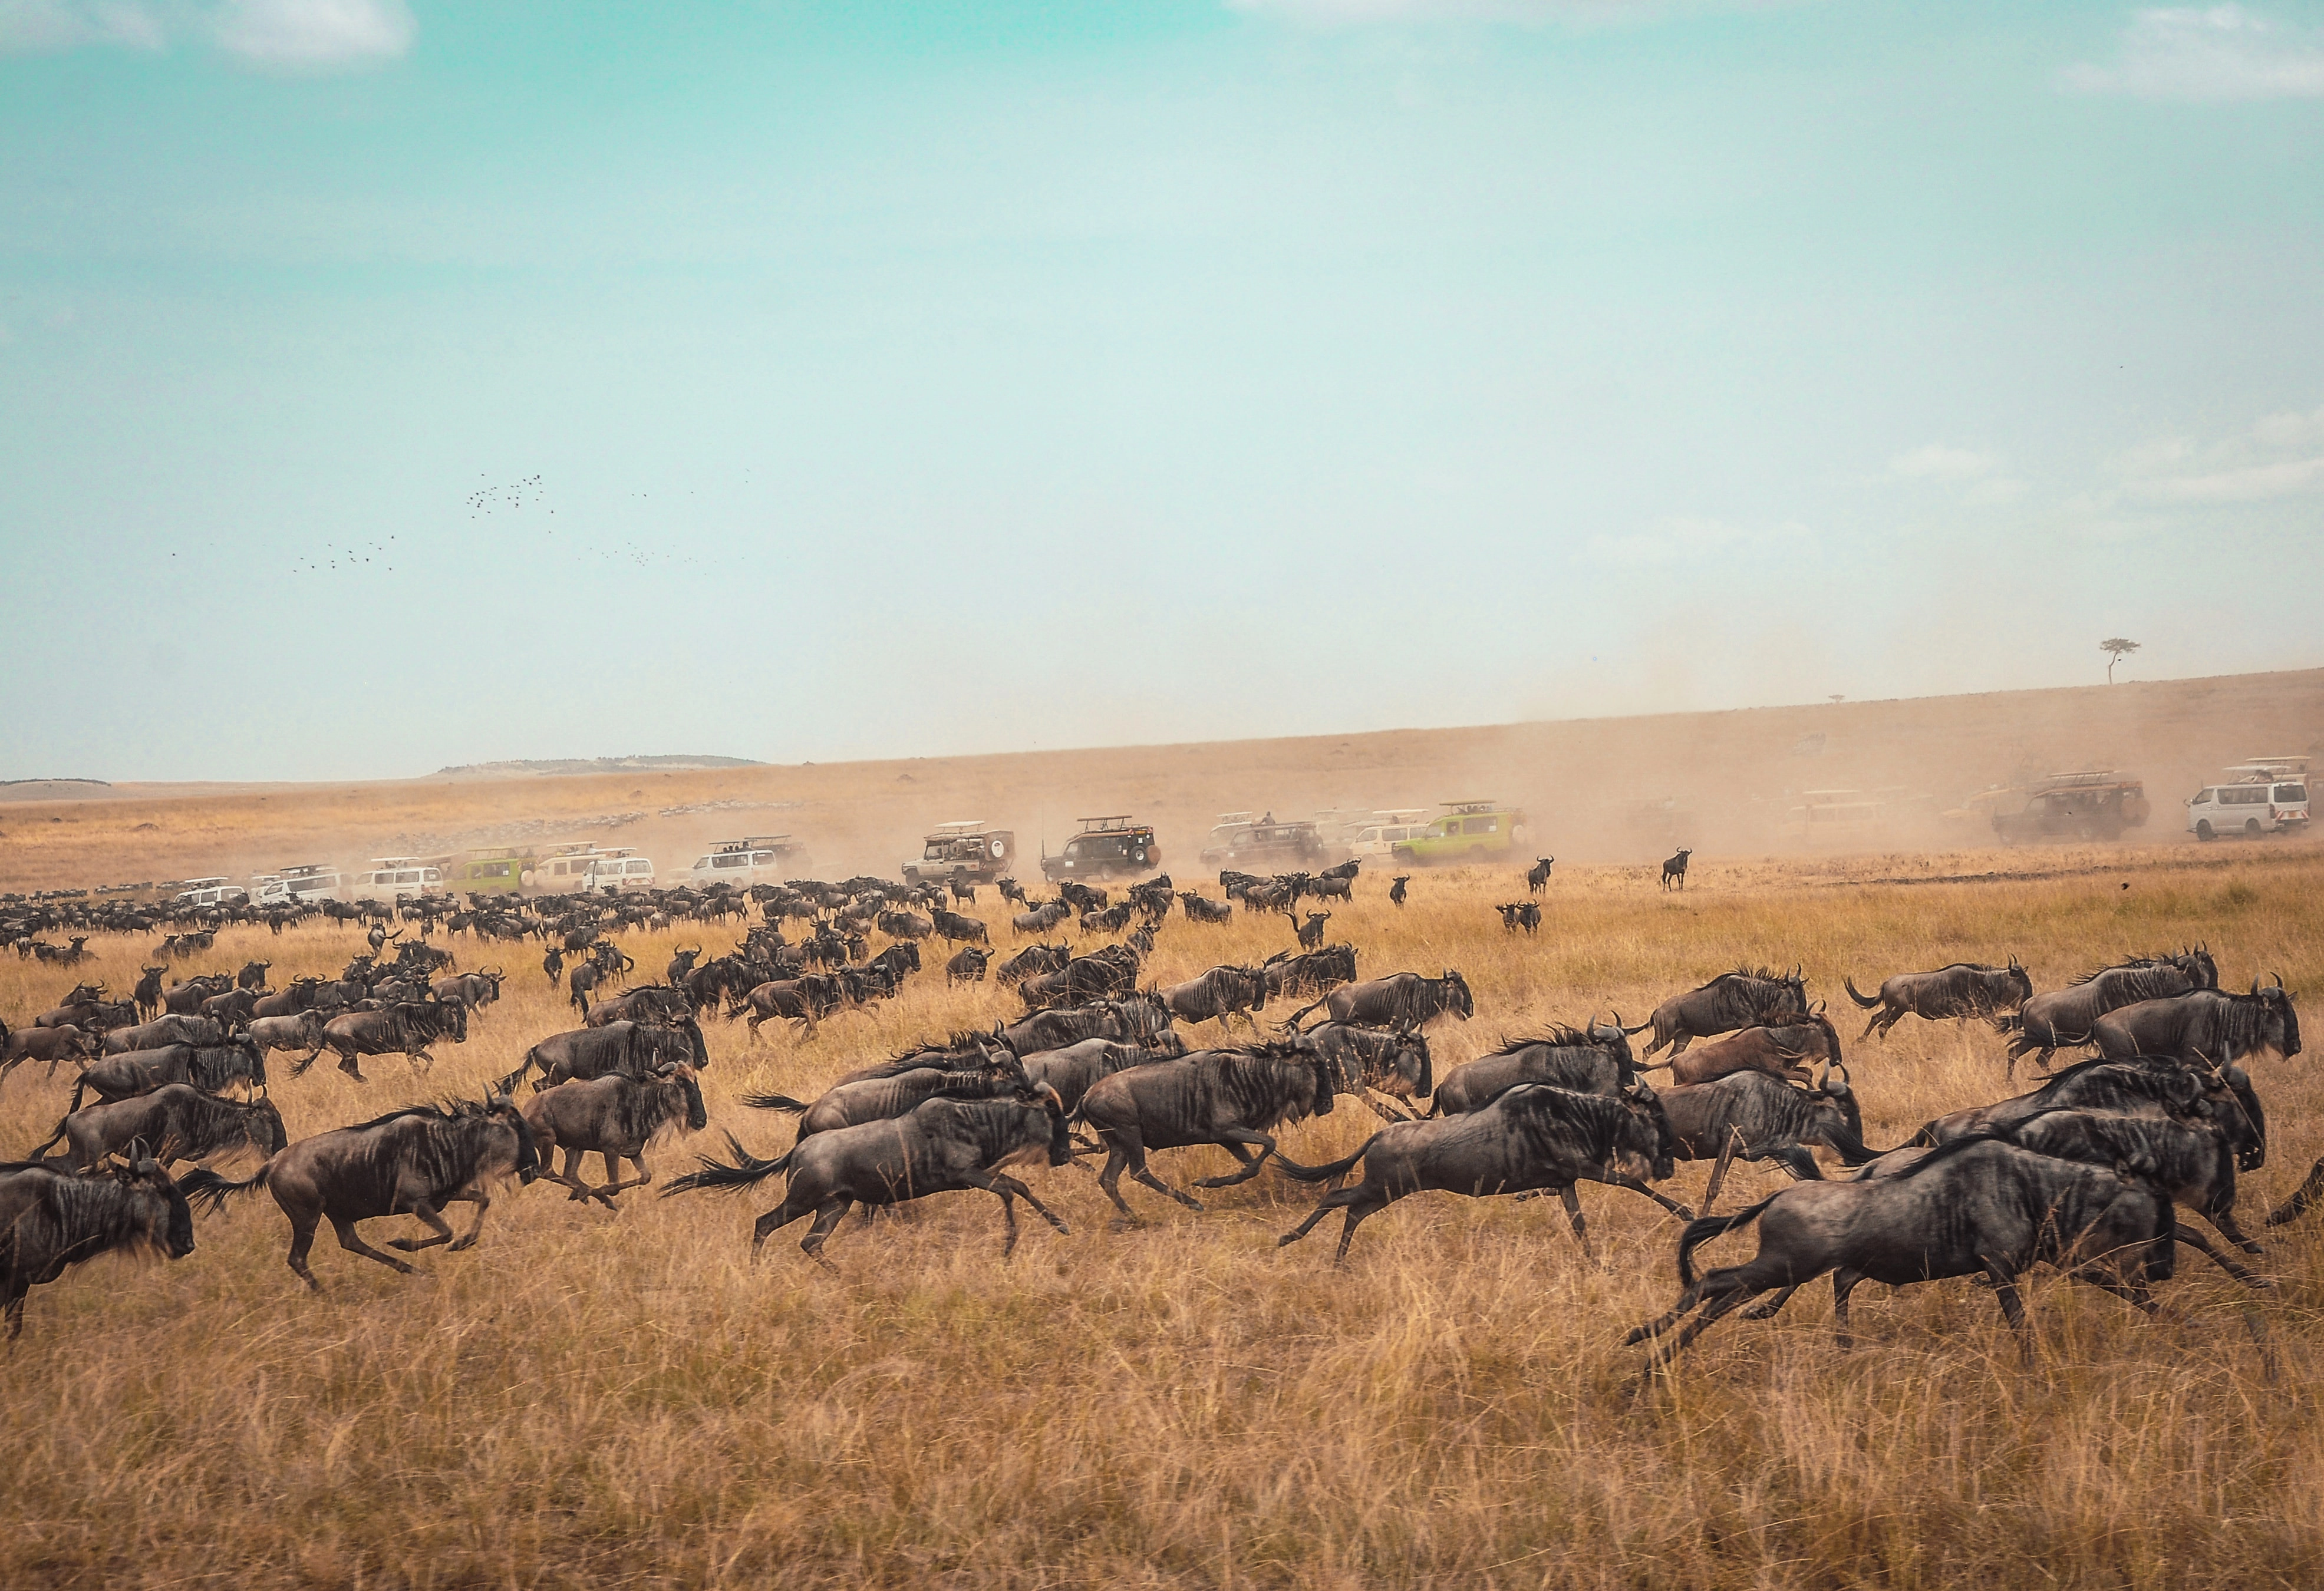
[2268, 797]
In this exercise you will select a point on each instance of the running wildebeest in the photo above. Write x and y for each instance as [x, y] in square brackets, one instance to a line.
[616, 1115]
[302, 1032]
[1033, 959]
[637, 1048]
[945, 1145]
[50, 1044]
[211, 1068]
[1395, 889]
[1752, 1116]
[1221, 994]
[164, 1031]
[1402, 999]
[405, 1029]
[409, 1162]
[1532, 1138]
[2208, 1026]
[52, 1219]
[2064, 1018]
[1230, 1098]
[892, 1092]
[805, 999]
[186, 1122]
[2158, 1085]
[1394, 1062]
[966, 966]
[1313, 972]
[1748, 996]
[1075, 1069]
[1800, 1050]
[1135, 1020]
[1964, 990]
[1537, 875]
[1978, 1206]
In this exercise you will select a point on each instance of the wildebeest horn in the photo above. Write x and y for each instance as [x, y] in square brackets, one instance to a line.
[2255, 986]
[2279, 979]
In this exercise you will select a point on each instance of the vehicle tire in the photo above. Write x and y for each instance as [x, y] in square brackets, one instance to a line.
[2203, 830]
[2251, 827]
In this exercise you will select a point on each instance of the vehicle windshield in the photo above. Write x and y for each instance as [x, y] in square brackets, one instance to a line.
[2291, 792]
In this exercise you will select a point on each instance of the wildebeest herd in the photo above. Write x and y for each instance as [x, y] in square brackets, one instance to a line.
[2091, 1172]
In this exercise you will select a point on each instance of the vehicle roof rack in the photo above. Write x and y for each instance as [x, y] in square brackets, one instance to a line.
[1465, 806]
[748, 842]
[1117, 820]
[2271, 767]
[960, 826]
[2097, 776]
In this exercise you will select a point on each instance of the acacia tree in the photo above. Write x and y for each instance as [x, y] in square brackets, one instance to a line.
[2116, 649]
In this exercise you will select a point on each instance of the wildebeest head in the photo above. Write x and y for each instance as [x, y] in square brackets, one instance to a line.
[1646, 1135]
[1612, 1037]
[502, 1108]
[2021, 978]
[1324, 1084]
[268, 1132]
[1836, 1091]
[697, 1117]
[166, 1221]
[1412, 1061]
[1461, 1003]
[2279, 1006]
[1061, 1137]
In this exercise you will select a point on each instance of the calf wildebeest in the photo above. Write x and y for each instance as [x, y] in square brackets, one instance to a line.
[1311, 932]
[2159, 1085]
[1977, 1206]
[1134, 1020]
[805, 1000]
[50, 1044]
[302, 1032]
[1965, 989]
[615, 1116]
[1231, 1097]
[52, 1219]
[1402, 999]
[185, 1123]
[1750, 1115]
[1199, 910]
[1674, 869]
[1537, 875]
[405, 1029]
[966, 966]
[409, 1162]
[1395, 889]
[943, 1146]
[637, 1048]
[1223, 993]
[1395, 1062]
[2064, 1018]
[2208, 1026]
[1532, 1138]
[1802, 1050]
[1748, 996]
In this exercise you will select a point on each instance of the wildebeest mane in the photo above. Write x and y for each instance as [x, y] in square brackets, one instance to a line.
[1558, 1035]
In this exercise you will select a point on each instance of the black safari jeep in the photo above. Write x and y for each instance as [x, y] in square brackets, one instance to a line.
[1106, 848]
[2075, 806]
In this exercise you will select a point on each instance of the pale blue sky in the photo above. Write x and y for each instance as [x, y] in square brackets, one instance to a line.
[862, 381]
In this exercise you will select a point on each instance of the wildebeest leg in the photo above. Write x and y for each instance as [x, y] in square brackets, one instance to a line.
[1233, 1140]
[473, 1193]
[617, 1185]
[347, 1065]
[2204, 1246]
[1731, 1293]
[1718, 1170]
[1766, 1311]
[1347, 1199]
[1843, 1283]
[1636, 1186]
[1573, 1203]
[827, 1217]
[2013, 1308]
[1001, 1183]
[416, 1057]
[2224, 1219]
[2298, 1205]
[1678, 1045]
[1110, 1178]
[1867, 1034]
[429, 1216]
[354, 1245]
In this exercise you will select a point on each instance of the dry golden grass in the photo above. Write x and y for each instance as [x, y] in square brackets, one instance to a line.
[594, 1399]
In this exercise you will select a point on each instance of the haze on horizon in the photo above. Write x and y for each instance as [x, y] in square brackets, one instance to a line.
[385, 386]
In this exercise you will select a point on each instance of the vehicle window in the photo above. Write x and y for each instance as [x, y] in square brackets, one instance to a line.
[2205, 798]
[761, 858]
[1479, 825]
[2291, 792]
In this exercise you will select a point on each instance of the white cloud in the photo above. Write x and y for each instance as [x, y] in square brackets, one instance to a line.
[1937, 462]
[2291, 430]
[2219, 52]
[280, 34]
[1684, 537]
[2253, 484]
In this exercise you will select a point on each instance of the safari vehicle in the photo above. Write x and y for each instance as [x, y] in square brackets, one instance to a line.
[564, 868]
[1106, 848]
[489, 871]
[620, 869]
[1377, 839]
[398, 878]
[1469, 831]
[2266, 796]
[754, 858]
[1241, 840]
[209, 892]
[964, 852]
[2095, 804]
[296, 884]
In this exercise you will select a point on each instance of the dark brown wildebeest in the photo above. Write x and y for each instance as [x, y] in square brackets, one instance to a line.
[1134, 1020]
[891, 1094]
[1595, 1060]
[1530, 1138]
[1537, 875]
[906, 925]
[185, 1122]
[2156, 1085]
[1674, 869]
[2064, 1017]
[233, 1009]
[1231, 1097]
[1199, 910]
[1978, 1206]
[409, 1162]
[164, 1031]
[1402, 999]
[1076, 1069]
[805, 999]
[1397, 887]
[648, 1002]
[955, 928]
[1311, 932]
[966, 966]
[1802, 1050]
[2206, 1025]
[1964, 990]
[1395, 1062]
[1039, 919]
[1031, 959]
[252, 975]
[185, 998]
[302, 1031]
[148, 992]
[1110, 974]
[1331, 886]
[1750, 1115]
[1221, 994]
[52, 1219]
[475, 990]
[1315, 972]
[637, 1048]
[944, 1147]
[616, 1115]
[404, 1029]
[50, 1044]
[1520, 913]
[681, 963]
[1748, 996]
[210, 1068]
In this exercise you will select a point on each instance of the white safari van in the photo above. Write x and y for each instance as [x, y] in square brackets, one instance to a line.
[620, 870]
[2266, 796]
[296, 886]
[398, 878]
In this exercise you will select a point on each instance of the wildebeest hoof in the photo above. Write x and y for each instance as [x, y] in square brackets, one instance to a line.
[405, 1243]
[458, 1244]
[2248, 1246]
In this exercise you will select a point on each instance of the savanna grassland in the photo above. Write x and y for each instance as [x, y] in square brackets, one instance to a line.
[625, 1399]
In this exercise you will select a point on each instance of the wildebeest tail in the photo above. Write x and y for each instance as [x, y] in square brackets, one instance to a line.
[204, 1189]
[1641, 1028]
[40, 1150]
[782, 1102]
[1291, 1023]
[1319, 1174]
[1867, 1001]
[747, 1170]
[508, 1084]
[1704, 1229]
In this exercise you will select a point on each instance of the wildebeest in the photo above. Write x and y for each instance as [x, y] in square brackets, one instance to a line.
[1395, 1062]
[1313, 972]
[1965, 989]
[1231, 1097]
[681, 962]
[637, 1048]
[2193, 1162]
[2064, 1018]
[52, 1219]
[163, 1031]
[1331, 887]
[1075, 1069]
[648, 1002]
[1537, 875]
[475, 990]
[1750, 1115]
[1595, 1060]
[211, 1068]
[615, 1116]
[2150, 1084]
[1532, 1138]
[409, 1162]
[1223, 993]
[892, 1092]
[966, 966]
[955, 928]
[805, 999]
[406, 1028]
[252, 975]
[1038, 920]
[1032, 959]
[906, 925]
[2208, 1026]
[302, 1032]
[1136, 1019]
[1311, 932]
[181, 1122]
[148, 992]
[1748, 996]
[1978, 1206]
[50, 1044]
[1801, 1050]
[1108, 973]
[1199, 910]
[1402, 999]
[1674, 869]
[1395, 889]
[945, 1146]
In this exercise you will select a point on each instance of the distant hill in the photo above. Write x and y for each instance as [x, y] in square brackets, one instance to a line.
[547, 766]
